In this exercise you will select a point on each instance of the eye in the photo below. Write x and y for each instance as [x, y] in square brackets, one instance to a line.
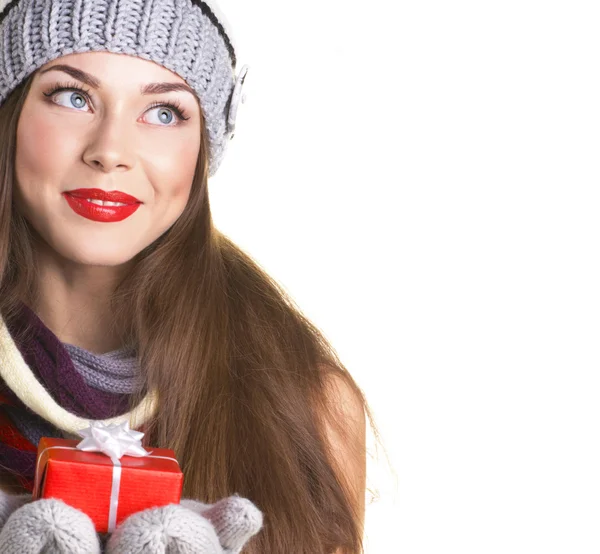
[73, 95]
[167, 112]
[164, 115]
[76, 97]
[69, 99]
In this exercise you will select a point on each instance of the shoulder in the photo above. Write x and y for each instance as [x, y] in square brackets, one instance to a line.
[344, 424]
[345, 399]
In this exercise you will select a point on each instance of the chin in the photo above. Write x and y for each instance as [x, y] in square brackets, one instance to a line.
[88, 255]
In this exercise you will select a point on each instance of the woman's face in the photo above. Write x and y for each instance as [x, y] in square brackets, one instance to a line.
[112, 137]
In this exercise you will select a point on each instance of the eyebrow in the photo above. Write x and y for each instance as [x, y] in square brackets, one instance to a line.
[94, 82]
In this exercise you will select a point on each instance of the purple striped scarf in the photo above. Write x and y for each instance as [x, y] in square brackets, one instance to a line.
[50, 362]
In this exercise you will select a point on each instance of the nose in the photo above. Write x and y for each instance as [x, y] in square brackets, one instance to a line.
[111, 146]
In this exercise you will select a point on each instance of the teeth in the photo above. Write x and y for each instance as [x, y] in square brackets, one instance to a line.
[103, 203]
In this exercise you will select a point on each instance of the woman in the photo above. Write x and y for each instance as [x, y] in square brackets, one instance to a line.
[142, 311]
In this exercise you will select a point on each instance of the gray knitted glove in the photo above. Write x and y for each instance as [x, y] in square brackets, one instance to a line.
[53, 527]
[9, 503]
[48, 525]
[188, 528]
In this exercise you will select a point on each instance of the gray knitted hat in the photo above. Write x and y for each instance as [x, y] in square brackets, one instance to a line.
[190, 37]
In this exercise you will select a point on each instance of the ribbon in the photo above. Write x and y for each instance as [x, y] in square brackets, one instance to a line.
[114, 440]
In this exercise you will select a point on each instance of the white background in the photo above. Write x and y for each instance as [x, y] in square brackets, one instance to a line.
[423, 178]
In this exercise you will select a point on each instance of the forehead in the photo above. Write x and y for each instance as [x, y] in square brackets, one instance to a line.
[118, 74]
[112, 68]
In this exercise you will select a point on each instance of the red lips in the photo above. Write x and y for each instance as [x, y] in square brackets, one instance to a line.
[109, 196]
[78, 200]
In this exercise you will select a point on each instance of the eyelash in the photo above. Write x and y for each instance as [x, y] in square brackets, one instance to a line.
[175, 106]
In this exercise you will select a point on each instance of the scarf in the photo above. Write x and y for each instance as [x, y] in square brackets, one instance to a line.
[49, 388]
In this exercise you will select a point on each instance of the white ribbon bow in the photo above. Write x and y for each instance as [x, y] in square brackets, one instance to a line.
[115, 440]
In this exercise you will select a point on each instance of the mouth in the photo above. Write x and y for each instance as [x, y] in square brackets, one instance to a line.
[102, 206]
[103, 197]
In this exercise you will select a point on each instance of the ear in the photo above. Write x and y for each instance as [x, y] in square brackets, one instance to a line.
[235, 520]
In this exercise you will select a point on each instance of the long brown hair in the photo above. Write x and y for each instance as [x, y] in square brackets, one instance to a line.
[241, 373]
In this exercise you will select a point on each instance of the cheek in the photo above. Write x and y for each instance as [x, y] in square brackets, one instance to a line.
[42, 152]
[173, 169]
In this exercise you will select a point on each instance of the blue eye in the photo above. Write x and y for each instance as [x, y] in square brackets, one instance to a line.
[79, 97]
[76, 99]
[168, 113]
[167, 110]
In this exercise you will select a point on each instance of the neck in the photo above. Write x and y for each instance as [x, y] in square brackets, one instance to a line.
[73, 301]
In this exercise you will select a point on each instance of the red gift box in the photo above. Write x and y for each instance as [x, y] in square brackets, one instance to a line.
[85, 480]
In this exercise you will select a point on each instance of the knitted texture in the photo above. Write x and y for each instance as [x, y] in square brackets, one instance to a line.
[186, 528]
[185, 36]
[116, 372]
[10, 503]
[18, 376]
[234, 518]
[51, 362]
[17, 455]
[46, 396]
[104, 377]
[30, 425]
[51, 526]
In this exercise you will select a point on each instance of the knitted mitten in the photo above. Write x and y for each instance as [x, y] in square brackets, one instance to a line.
[188, 528]
[47, 525]
[53, 527]
[9, 503]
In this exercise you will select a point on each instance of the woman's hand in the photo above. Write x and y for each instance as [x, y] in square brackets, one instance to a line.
[51, 526]
[46, 525]
[190, 527]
